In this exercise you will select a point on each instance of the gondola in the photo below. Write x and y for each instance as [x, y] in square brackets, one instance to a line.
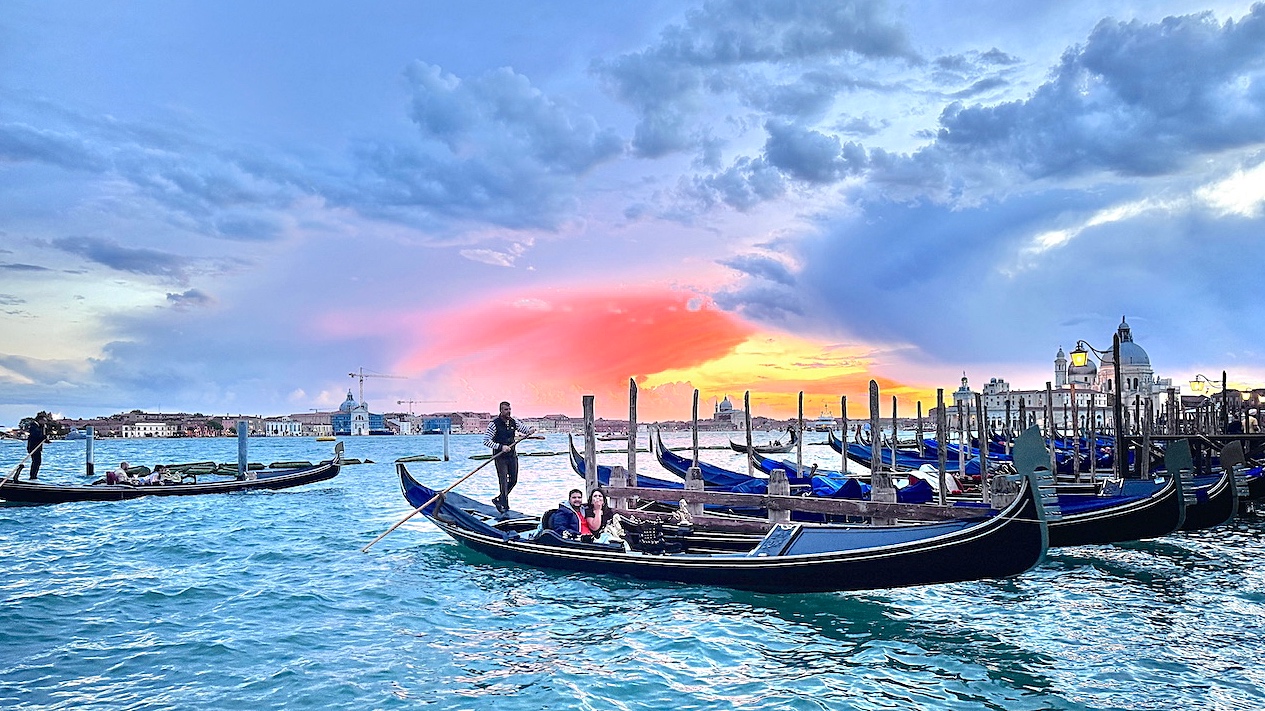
[776, 448]
[790, 558]
[714, 476]
[26, 492]
[1135, 511]
[1216, 501]
[604, 473]
[905, 460]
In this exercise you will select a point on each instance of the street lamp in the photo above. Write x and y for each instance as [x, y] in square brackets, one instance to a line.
[1080, 356]
[1201, 382]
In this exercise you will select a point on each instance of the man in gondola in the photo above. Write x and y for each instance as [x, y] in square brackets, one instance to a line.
[37, 434]
[500, 436]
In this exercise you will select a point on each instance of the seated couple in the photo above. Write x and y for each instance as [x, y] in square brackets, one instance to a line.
[587, 522]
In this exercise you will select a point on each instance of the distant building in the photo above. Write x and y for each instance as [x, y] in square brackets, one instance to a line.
[149, 429]
[436, 425]
[282, 427]
[1075, 391]
[354, 418]
[725, 412]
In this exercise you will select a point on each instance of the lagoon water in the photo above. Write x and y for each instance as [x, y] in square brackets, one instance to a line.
[264, 601]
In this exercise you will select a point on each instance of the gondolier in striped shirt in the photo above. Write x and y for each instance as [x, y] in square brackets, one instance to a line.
[500, 437]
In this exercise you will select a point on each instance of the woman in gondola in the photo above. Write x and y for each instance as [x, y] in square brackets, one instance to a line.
[596, 513]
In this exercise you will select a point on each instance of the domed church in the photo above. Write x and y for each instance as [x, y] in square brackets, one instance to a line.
[1078, 388]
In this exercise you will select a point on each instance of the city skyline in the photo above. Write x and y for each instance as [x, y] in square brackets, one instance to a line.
[231, 207]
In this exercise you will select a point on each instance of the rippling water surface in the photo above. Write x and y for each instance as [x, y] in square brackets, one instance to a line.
[263, 600]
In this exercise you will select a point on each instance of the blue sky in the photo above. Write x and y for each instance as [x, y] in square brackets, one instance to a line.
[227, 207]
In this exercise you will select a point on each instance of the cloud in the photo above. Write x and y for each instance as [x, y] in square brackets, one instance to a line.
[21, 142]
[149, 262]
[189, 299]
[491, 148]
[762, 267]
[811, 156]
[19, 267]
[11, 300]
[1136, 99]
[739, 47]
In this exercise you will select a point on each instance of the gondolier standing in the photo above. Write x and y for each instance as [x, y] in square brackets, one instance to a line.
[36, 434]
[500, 437]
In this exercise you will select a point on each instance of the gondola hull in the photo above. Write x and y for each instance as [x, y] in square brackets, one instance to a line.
[1216, 502]
[791, 559]
[25, 492]
[1143, 510]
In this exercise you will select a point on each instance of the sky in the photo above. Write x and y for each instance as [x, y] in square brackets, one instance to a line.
[228, 207]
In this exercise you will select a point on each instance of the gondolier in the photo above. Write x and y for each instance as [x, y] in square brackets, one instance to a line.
[35, 438]
[500, 437]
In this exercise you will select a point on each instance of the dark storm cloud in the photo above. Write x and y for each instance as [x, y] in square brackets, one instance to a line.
[111, 254]
[668, 82]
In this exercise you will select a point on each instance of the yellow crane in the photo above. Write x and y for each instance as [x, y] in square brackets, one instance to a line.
[361, 375]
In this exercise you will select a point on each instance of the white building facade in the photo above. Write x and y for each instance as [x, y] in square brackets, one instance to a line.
[149, 429]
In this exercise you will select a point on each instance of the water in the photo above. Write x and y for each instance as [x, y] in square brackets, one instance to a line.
[263, 600]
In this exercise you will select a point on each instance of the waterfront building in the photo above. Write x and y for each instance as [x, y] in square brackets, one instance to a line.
[353, 418]
[138, 430]
[727, 413]
[1073, 389]
[282, 427]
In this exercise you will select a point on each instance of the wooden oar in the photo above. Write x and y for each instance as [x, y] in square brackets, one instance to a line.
[435, 498]
[17, 471]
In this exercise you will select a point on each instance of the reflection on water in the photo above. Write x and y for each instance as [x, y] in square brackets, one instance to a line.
[263, 601]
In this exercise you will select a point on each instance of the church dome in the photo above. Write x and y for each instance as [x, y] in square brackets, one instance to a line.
[1089, 370]
[349, 404]
[1130, 352]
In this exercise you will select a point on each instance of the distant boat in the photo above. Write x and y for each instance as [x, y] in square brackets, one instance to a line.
[21, 491]
[774, 447]
[825, 422]
[326, 438]
[76, 433]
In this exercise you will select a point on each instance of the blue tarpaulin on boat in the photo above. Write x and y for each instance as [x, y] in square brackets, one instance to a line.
[840, 487]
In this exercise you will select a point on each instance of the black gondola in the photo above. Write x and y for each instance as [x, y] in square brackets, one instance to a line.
[26, 492]
[1216, 501]
[790, 558]
[777, 447]
[1135, 511]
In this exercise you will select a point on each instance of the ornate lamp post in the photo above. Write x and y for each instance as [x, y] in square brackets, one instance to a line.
[1079, 357]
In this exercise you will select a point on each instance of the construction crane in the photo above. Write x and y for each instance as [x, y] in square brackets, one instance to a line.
[410, 403]
[361, 374]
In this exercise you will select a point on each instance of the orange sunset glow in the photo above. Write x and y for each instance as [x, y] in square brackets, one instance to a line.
[544, 351]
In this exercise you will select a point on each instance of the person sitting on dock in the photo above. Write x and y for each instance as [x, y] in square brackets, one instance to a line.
[597, 514]
[568, 520]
